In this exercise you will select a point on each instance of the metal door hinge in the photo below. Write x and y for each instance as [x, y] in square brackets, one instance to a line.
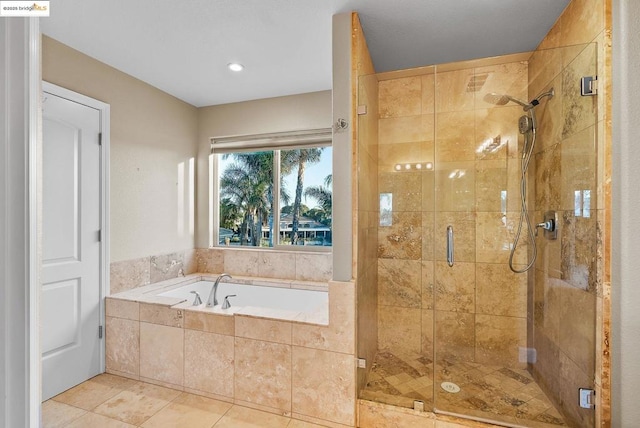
[100, 332]
[100, 138]
[362, 109]
[100, 235]
[361, 363]
[587, 398]
[589, 86]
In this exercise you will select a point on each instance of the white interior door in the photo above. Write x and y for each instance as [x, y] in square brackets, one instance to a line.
[71, 271]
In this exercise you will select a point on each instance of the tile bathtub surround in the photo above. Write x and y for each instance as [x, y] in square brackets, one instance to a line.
[209, 362]
[128, 274]
[168, 266]
[242, 359]
[263, 374]
[122, 346]
[320, 396]
[311, 266]
[162, 353]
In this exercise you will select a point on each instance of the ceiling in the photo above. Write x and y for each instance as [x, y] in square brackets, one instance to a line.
[183, 47]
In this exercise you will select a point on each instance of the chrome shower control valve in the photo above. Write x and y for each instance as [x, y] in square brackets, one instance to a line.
[549, 225]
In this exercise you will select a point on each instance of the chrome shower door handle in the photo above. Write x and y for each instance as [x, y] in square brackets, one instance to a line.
[450, 245]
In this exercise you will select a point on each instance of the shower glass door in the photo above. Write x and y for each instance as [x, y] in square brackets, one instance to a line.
[480, 304]
[401, 370]
[515, 348]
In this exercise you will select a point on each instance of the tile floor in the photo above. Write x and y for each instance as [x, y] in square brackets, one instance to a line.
[490, 392]
[108, 401]
[498, 393]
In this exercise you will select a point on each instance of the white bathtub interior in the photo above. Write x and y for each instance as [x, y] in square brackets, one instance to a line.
[286, 299]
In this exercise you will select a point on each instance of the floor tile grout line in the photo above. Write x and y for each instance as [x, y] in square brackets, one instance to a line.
[66, 404]
[74, 419]
[135, 383]
[224, 414]
[158, 411]
[168, 402]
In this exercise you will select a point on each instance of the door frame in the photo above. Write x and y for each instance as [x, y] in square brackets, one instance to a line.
[19, 208]
[105, 112]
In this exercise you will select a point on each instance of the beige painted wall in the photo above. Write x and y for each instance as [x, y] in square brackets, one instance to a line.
[294, 112]
[344, 85]
[152, 133]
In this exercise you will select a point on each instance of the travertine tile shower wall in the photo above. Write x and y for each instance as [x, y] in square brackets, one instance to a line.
[478, 307]
[568, 317]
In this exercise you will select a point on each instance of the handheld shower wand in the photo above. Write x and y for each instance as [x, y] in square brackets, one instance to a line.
[527, 125]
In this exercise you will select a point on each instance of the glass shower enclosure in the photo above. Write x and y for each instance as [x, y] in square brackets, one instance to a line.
[457, 330]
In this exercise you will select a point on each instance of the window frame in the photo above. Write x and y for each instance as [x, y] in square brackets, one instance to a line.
[275, 142]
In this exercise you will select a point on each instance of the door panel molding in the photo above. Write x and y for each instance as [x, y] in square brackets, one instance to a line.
[104, 108]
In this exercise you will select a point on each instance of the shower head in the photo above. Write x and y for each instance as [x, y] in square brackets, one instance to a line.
[500, 100]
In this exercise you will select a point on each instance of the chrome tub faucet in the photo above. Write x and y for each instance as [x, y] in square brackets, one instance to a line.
[213, 295]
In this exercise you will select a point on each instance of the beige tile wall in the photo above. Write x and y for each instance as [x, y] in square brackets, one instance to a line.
[294, 369]
[128, 274]
[569, 317]
[478, 307]
[301, 266]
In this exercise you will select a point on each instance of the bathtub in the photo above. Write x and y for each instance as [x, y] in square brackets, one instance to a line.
[277, 298]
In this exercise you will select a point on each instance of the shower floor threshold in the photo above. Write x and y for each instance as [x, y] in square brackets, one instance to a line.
[509, 396]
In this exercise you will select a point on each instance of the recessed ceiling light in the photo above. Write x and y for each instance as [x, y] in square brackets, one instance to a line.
[234, 66]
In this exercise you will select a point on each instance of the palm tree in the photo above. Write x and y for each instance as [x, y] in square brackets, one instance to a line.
[324, 196]
[229, 213]
[249, 193]
[248, 184]
[300, 157]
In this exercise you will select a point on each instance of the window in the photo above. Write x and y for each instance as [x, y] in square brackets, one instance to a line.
[272, 190]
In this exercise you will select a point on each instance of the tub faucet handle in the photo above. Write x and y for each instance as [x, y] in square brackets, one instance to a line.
[226, 304]
[197, 301]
